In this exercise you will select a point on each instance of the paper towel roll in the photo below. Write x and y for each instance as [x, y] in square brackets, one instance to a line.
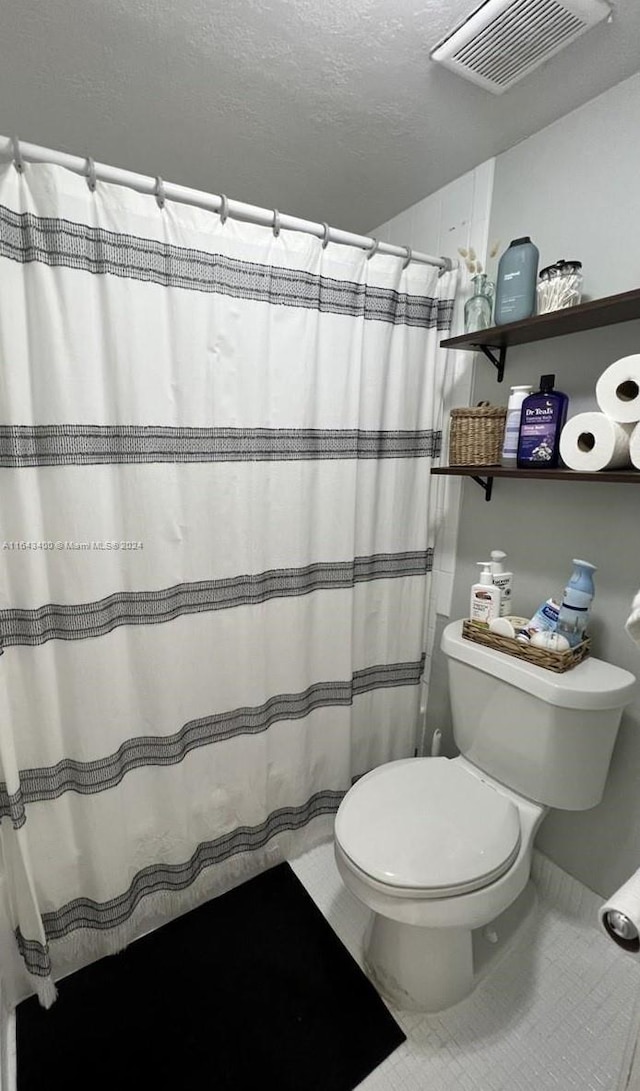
[618, 390]
[634, 447]
[591, 442]
[620, 916]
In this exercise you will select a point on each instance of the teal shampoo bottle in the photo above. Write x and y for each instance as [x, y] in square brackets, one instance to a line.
[516, 282]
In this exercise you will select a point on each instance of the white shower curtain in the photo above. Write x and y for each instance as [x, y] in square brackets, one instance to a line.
[215, 550]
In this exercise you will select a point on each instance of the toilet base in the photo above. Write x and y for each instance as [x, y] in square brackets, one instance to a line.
[419, 969]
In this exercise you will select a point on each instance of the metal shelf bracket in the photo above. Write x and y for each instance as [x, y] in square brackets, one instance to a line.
[486, 485]
[497, 361]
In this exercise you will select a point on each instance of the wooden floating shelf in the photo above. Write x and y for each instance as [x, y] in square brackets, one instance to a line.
[484, 475]
[592, 315]
[585, 316]
[627, 477]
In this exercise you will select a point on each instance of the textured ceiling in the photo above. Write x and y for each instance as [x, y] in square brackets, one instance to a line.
[327, 109]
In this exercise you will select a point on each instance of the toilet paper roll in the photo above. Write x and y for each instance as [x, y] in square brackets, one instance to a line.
[634, 447]
[620, 916]
[591, 442]
[618, 390]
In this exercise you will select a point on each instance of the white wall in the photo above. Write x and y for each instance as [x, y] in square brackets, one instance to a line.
[574, 188]
[455, 216]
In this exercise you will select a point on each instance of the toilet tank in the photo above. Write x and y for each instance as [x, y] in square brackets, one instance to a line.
[548, 736]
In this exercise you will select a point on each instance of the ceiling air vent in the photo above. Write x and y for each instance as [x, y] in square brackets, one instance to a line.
[504, 40]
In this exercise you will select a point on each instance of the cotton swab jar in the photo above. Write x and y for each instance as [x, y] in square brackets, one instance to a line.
[560, 286]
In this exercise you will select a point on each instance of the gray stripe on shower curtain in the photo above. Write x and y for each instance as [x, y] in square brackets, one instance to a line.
[90, 777]
[56, 242]
[78, 621]
[87, 913]
[87, 444]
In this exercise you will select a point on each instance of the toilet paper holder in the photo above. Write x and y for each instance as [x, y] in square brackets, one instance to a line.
[622, 930]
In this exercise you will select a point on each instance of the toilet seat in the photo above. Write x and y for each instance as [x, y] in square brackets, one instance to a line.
[428, 826]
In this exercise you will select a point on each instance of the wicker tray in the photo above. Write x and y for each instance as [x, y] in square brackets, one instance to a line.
[542, 657]
[476, 434]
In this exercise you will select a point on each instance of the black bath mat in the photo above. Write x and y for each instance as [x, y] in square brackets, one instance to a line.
[251, 991]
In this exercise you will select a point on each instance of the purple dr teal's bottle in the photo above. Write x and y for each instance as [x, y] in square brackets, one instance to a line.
[541, 421]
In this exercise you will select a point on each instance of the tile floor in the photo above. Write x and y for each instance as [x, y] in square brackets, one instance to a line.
[553, 1013]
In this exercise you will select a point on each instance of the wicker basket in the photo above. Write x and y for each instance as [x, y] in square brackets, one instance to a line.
[542, 657]
[476, 434]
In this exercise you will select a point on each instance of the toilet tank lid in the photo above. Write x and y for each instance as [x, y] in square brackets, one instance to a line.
[592, 684]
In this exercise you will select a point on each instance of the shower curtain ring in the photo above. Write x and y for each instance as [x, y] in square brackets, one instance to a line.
[276, 223]
[18, 161]
[90, 174]
[224, 209]
[373, 248]
[325, 237]
[159, 192]
[408, 257]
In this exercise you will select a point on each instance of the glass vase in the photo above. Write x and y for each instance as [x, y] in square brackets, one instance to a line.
[478, 310]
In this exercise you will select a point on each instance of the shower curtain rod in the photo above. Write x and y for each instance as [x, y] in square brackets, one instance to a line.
[19, 151]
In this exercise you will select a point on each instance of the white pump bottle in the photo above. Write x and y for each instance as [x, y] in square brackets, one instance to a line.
[485, 597]
[503, 580]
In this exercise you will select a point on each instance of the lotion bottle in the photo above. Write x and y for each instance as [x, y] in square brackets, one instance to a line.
[485, 597]
[503, 580]
[509, 455]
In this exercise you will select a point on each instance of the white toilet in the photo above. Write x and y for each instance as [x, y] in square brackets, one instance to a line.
[437, 847]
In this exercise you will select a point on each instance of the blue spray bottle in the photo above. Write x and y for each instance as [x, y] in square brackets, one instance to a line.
[576, 602]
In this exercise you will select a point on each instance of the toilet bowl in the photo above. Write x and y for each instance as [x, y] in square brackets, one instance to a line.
[438, 847]
[435, 849]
